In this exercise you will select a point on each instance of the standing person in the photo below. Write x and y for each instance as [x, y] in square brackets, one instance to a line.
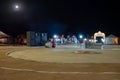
[53, 43]
[68, 39]
[62, 39]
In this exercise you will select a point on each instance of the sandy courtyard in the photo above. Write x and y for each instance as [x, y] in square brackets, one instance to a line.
[36, 63]
[56, 55]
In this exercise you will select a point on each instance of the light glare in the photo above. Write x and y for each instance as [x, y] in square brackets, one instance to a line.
[55, 36]
[81, 36]
[16, 6]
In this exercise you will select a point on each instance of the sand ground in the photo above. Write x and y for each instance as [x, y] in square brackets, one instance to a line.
[36, 63]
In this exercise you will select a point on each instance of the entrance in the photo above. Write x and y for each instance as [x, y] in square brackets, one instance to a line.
[99, 37]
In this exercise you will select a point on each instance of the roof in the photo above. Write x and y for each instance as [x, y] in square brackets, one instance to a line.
[2, 34]
[111, 36]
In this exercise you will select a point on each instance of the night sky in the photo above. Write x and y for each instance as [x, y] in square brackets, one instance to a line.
[60, 16]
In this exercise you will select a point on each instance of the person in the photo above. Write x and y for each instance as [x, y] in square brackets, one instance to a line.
[48, 44]
[53, 43]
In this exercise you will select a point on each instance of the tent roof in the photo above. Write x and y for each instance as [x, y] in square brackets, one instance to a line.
[111, 36]
[2, 34]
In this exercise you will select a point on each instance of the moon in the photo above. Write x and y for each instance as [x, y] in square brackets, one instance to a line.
[17, 6]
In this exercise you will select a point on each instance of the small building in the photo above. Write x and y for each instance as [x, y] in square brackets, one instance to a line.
[112, 40]
[4, 38]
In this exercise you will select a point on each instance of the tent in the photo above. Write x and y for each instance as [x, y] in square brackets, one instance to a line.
[111, 39]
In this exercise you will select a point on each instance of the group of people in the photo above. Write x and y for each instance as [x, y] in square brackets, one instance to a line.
[68, 40]
[61, 40]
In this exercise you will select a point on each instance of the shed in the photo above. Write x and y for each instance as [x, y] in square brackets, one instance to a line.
[111, 39]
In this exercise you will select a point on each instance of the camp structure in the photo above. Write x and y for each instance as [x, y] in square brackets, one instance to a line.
[4, 38]
[111, 40]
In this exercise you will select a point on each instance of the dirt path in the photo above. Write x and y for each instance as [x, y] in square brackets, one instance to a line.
[17, 69]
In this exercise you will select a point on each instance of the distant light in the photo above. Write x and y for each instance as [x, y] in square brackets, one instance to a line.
[85, 39]
[81, 36]
[91, 40]
[55, 36]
